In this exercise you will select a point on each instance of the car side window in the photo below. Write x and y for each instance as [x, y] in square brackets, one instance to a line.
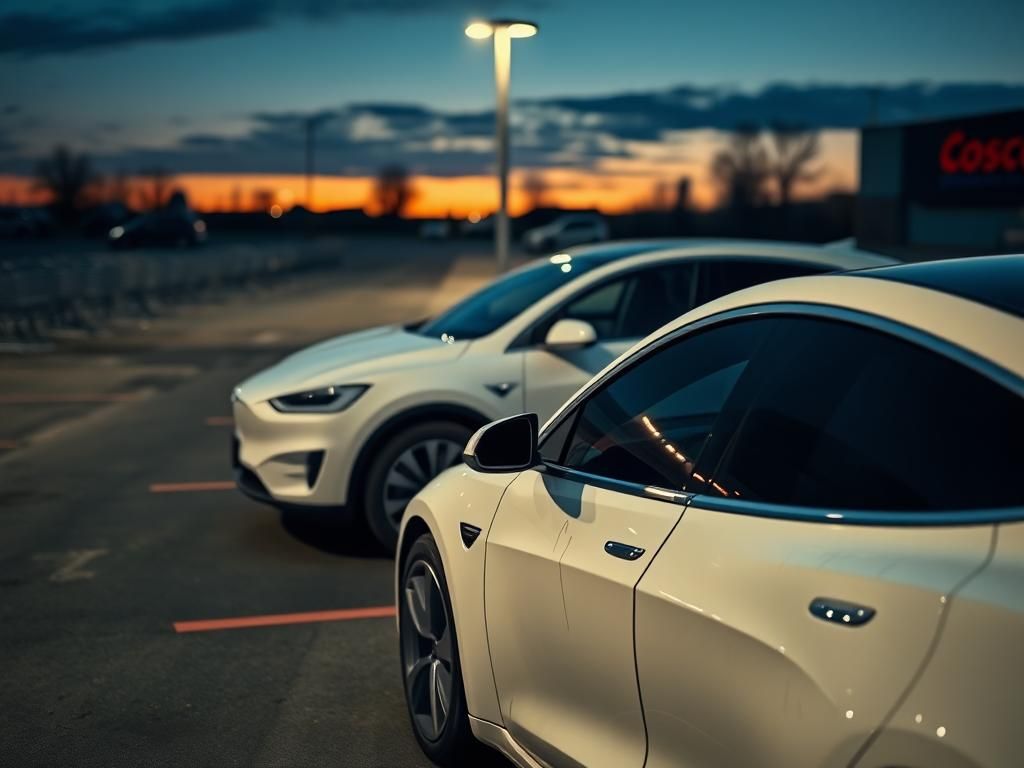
[719, 277]
[649, 424]
[852, 418]
[632, 306]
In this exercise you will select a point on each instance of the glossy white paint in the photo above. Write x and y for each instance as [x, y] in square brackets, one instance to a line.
[965, 709]
[560, 617]
[724, 635]
[733, 669]
[406, 371]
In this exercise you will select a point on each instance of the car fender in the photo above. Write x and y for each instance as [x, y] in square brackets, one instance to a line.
[455, 498]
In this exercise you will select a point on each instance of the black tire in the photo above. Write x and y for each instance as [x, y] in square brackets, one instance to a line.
[379, 518]
[455, 744]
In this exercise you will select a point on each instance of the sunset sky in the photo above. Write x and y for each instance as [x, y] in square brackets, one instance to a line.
[611, 100]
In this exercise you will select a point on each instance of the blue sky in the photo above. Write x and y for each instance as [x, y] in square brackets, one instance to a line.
[115, 78]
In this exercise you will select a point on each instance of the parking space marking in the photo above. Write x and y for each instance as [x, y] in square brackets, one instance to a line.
[274, 620]
[219, 421]
[72, 564]
[36, 398]
[210, 485]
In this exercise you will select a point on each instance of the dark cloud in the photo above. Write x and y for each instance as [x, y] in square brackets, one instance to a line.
[34, 33]
[647, 115]
[360, 138]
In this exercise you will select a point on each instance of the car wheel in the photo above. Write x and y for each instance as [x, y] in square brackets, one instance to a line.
[431, 673]
[402, 467]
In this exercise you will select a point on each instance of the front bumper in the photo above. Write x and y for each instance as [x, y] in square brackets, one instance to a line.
[287, 461]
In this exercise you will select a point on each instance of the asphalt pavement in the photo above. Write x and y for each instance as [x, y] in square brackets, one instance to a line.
[119, 529]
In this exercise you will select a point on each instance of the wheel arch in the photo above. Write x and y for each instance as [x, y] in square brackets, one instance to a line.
[461, 414]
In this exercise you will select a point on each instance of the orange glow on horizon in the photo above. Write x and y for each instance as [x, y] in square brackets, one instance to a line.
[645, 180]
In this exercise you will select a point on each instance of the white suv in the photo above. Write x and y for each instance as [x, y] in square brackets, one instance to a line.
[566, 231]
[367, 419]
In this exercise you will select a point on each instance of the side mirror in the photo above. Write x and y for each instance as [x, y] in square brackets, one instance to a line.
[506, 445]
[568, 334]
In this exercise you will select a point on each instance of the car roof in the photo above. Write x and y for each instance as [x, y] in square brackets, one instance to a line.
[836, 255]
[996, 281]
[988, 332]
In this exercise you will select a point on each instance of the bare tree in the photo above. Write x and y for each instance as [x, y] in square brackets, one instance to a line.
[536, 189]
[393, 191]
[67, 177]
[795, 149]
[154, 188]
[742, 169]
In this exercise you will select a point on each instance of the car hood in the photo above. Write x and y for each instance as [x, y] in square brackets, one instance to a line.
[350, 359]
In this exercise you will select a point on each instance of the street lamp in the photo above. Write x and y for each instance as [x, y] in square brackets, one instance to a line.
[502, 30]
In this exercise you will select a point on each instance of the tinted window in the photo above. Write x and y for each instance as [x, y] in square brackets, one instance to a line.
[490, 308]
[635, 305]
[722, 276]
[649, 424]
[848, 418]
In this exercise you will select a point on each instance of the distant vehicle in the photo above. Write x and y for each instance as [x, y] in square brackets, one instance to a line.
[785, 530]
[436, 229]
[173, 227]
[98, 221]
[566, 231]
[365, 420]
[17, 222]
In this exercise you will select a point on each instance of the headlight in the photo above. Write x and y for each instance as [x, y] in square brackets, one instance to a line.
[324, 400]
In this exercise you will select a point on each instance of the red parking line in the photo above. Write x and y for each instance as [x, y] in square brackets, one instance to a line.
[211, 485]
[219, 421]
[346, 614]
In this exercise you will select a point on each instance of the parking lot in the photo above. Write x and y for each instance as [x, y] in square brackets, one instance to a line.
[136, 583]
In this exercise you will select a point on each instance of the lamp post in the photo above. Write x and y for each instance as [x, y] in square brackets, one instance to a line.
[503, 31]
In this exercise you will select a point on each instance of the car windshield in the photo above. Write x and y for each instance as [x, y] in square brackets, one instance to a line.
[491, 307]
[500, 301]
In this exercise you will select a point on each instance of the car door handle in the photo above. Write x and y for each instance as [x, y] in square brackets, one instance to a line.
[623, 551]
[840, 612]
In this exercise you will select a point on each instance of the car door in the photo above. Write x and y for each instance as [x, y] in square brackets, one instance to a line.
[571, 539]
[809, 578]
[623, 309]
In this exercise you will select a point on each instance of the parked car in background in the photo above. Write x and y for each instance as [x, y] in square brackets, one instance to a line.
[179, 228]
[786, 530]
[436, 229]
[365, 420]
[566, 231]
[18, 222]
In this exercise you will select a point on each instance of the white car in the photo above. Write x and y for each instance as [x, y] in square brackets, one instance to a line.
[365, 420]
[566, 231]
[786, 530]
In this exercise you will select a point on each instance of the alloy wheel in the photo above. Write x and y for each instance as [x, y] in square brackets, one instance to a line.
[413, 469]
[426, 650]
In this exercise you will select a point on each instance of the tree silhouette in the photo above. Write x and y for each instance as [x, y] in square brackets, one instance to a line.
[154, 188]
[66, 176]
[535, 189]
[742, 169]
[795, 149]
[393, 191]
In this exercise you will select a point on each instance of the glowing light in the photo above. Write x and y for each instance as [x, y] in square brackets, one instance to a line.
[918, 717]
[561, 258]
[474, 218]
[567, 267]
[828, 613]
[846, 618]
[275, 211]
[834, 516]
[522, 29]
[849, 714]
[479, 30]
[940, 731]
[116, 232]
